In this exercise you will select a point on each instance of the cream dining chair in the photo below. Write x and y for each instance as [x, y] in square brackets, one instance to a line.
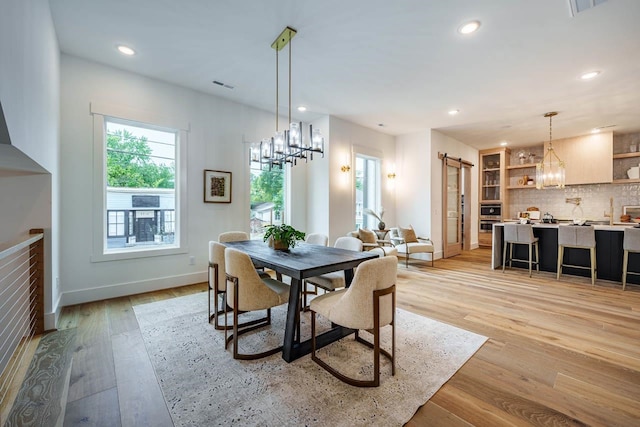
[232, 236]
[217, 274]
[334, 280]
[368, 304]
[247, 291]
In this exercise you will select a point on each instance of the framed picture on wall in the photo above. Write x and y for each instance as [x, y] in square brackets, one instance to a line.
[217, 186]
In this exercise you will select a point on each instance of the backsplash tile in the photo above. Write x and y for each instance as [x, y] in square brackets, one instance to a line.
[595, 200]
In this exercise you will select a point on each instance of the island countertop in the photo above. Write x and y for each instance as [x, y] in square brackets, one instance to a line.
[609, 251]
[617, 226]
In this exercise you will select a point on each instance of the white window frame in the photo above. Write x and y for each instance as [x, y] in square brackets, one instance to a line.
[135, 117]
[368, 154]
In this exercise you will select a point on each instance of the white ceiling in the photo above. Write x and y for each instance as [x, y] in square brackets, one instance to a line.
[401, 63]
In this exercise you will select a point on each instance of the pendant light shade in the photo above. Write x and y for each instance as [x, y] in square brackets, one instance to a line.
[550, 171]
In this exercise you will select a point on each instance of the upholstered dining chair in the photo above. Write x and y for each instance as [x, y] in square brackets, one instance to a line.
[232, 236]
[313, 239]
[317, 239]
[334, 280]
[368, 304]
[406, 242]
[217, 277]
[238, 236]
[247, 291]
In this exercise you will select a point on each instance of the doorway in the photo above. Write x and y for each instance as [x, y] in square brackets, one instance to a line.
[456, 182]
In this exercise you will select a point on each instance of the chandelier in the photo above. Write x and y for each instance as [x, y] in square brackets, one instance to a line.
[289, 145]
[550, 171]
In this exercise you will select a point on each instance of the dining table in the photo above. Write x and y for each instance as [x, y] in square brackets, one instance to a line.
[302, 262]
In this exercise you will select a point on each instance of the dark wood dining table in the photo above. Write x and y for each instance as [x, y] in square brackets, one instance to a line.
[299, 263]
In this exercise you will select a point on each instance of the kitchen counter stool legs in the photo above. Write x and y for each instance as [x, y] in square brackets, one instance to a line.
[579, 237]
[630, 244]
[520, 234]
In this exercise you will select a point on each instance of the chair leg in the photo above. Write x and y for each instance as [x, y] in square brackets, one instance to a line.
[406, 259]
[592, 252]
[504, 255]
[377, 350]
[511, 255]
[530, 257]
[560, 256]
[537, 257]
[625, 266]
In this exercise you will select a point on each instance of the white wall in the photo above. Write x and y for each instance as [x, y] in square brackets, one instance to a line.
[341, 195]
[419, 184]
[414, 186]
[215, 141]
[317, 194]
[29, 92]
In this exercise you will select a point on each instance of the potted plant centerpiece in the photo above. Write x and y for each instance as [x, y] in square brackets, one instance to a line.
[282, 237]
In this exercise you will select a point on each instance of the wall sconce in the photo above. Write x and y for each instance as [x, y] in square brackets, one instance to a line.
[345, 168]
[391, 175]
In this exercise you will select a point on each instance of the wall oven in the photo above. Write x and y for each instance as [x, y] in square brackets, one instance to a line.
[486, 225]
[491, 211]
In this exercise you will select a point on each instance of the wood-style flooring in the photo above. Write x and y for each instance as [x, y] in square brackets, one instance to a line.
[559, 352]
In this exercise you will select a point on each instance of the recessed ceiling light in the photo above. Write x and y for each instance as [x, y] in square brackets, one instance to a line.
[469, 27]
[126, 50]
[302, 108]
[381, 125]
[595, 130]
[504, 143]
[589, 75]
[453, 112]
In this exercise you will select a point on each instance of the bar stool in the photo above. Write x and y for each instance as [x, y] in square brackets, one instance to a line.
[630, 243]
[520, 234]
[580, 237]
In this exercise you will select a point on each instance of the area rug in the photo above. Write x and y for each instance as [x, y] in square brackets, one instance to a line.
[204, 385]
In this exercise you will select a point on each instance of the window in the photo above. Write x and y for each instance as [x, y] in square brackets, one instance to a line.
[115, 225]
[139, 176]
[367, 176]
[267, 198]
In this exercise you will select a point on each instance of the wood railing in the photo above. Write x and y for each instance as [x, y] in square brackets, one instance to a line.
[21, 302]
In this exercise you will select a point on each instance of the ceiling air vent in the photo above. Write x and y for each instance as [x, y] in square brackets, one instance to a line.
[215, 82]
[578, 6]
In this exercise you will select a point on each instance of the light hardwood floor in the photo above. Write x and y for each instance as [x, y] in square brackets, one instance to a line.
[559, 352]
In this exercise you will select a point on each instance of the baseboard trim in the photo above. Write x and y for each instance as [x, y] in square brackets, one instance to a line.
[131, 288]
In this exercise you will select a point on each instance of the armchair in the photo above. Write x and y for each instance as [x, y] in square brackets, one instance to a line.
[370, 241]
[406, 243]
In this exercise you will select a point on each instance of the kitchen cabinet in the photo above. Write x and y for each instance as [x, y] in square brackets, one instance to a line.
[586, 158]
[492, 175]
[492, 194]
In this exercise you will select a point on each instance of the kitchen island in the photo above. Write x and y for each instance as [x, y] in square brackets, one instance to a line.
[609, 252]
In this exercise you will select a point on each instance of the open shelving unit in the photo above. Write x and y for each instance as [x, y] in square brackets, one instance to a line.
[623, 157]
[519, 167]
